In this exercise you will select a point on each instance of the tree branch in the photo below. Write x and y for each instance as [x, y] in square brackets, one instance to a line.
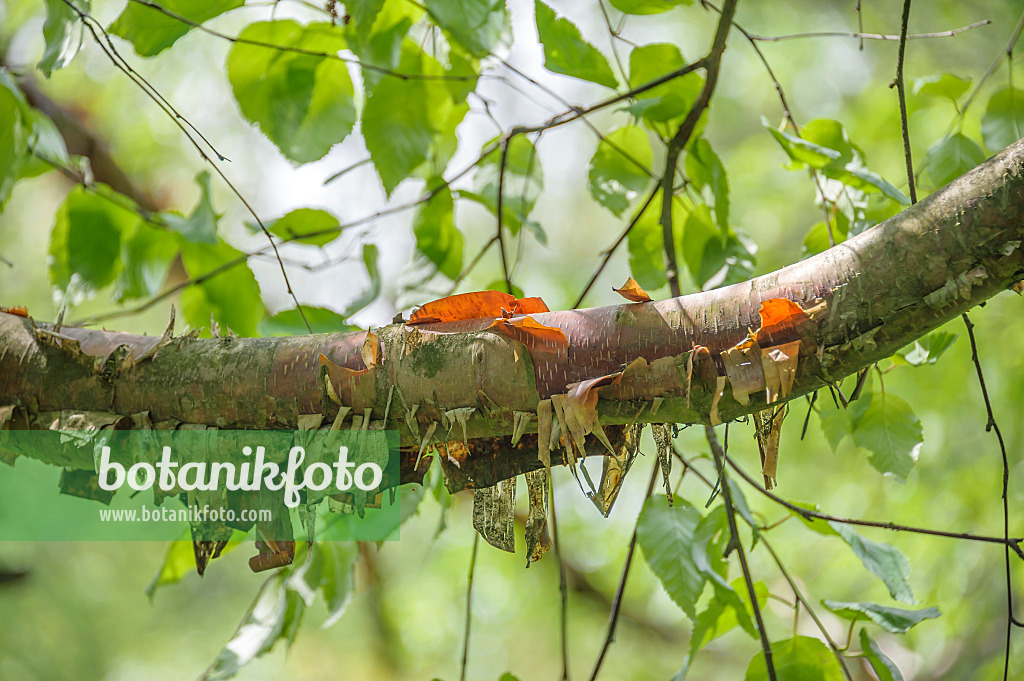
[875, 293]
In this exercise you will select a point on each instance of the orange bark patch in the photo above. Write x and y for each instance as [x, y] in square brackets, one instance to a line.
[17, 310]
[476, 305]
[632, 291]
[781, 320]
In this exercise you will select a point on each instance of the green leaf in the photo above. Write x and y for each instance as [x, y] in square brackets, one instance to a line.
[15, 132]
[304, 103]
[289, 322]
[719, 618]
[369, 295]
[46, 148]
[85, 245]
[889, 429]
[834, 420]
[201, 226]
[1003, 122]
[646, 251]
[884, 668]
[927, 350]
[524, 180]
[146, 257]
[830, 134]
[715, 258]
[941, 85]
[437, 237]
[648, 63]
[567, 53]
[862, 178]
[336, 580]
[364, 13]
[951, 157]
[706, 171]
[476, 25]
[800, 151]
[893, 620]
[814, 524]
[62, 34]
[816, 239]
[617, 169]
[666, 536]
[882, 560]
[232, 297]
[180, 561]
[647, 6]
[398, 135]
[321, 225]
[797, 659]
[151, 31]
[273, 616]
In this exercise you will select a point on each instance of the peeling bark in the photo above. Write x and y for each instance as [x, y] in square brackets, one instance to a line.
[871, 295]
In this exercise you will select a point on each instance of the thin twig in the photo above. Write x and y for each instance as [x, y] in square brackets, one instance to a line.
[682, 136]
[991, 425]
[618, 242]
[1014, 35]
[736, 543]
[871, 36]
[563, 587]
[469, 607]
[807, 606]
[901, 92]
[501, 192]
[1012, 542]
[613, 615]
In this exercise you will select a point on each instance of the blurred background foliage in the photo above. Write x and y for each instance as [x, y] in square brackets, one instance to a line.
[82, 611]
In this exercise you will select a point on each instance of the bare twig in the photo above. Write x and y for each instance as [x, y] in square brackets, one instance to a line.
[991, 425]
[675, 146]
[901, 92]
[563, 587]
[613, 615]
[469, 606]
[736, 543]
[871, 36]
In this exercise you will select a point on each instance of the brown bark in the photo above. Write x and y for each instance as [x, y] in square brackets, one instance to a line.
[876, 292]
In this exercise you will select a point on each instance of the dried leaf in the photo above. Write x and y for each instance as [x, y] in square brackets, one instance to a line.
[769, 429]
[476, 305]
[370, 351]
[580, 408]
[520, 421]
[460, 416]
[532, 333]
[662, 433]
[632, 291]
[615, 468]
[537, 539]
[494, 514]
